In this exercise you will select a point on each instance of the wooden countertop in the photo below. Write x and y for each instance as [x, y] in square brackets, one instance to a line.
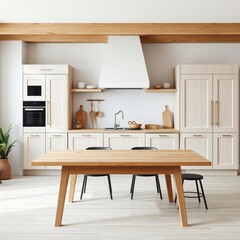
[102, 130]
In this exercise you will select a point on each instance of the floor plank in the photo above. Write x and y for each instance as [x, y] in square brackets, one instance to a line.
[28, 208]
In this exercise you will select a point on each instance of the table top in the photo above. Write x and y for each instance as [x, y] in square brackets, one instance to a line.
[121, 158]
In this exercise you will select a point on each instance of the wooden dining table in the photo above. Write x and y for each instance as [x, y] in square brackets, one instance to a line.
[167, 162]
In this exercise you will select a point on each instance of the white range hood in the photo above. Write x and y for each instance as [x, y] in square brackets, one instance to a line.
[124, 64]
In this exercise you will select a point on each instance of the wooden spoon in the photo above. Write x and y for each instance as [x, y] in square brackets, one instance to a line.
[92, 115]
[98, 113]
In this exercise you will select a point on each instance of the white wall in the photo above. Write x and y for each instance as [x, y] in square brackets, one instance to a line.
[11, 98]
[136, 104]
[120, 11]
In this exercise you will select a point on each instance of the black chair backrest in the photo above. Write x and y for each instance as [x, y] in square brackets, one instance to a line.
[98, 148]
[144, 148]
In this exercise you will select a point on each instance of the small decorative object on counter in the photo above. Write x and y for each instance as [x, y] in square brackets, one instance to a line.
[81, 117]
[167, 118]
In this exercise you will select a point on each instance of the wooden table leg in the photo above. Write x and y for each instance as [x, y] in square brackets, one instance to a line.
[169, 187]
[62, 196]
[72, 187]
[180, 197]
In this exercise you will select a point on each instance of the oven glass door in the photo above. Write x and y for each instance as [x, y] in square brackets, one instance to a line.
[33, 117]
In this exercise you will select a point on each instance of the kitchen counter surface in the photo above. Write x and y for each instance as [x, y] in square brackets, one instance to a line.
[102, 130]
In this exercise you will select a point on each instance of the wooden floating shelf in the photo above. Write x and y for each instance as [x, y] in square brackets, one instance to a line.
[152, 90]
[85, 90]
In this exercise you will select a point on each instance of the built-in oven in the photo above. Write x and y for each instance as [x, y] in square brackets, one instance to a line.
[33, 88]
[34, 113]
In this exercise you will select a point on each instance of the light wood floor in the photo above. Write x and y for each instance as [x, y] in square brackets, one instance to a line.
[28, 205]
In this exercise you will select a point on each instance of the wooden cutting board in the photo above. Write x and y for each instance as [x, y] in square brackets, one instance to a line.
[81, 118]
[167, 118]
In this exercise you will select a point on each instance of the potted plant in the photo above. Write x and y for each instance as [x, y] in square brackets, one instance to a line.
[5, 149]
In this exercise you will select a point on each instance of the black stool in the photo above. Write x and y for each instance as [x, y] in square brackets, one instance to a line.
[196, 178]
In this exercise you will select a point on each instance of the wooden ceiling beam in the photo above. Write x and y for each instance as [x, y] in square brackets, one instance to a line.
[99, 32]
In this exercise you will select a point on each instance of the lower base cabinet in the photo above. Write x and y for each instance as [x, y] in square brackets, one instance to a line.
[121, 141]
[55, 141]
[163, 141]
[200, 143]
[82, 141]
[33, 147]
[219, 148]
[225, 151]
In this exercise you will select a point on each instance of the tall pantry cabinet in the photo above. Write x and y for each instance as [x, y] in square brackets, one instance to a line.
[208, 112]
[57, 82]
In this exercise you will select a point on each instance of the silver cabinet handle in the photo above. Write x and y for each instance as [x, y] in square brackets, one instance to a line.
[217, 113]
[34, 135]
[212, 113]
[197, 135]
[48, 113]
[33, 109]
[46, 69]
[55, 135]
[125, 135]
[163, 135]
[225, 135]
[86, 135]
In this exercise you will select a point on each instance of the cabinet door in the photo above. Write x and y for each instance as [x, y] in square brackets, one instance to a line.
[55, 141]
[33, 147]
[121, 141]
[226, 104]
[82, 141]
[57, 103]
[195, 103]
[200, 143]
[163, 141]
[225, 151]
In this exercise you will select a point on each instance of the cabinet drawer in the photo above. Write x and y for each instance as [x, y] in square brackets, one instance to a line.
[45, 69]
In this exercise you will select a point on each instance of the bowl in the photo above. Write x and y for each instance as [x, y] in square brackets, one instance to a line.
[135, 126]
[166, 85]
[81, 84]
[157, 86]
[152, 126]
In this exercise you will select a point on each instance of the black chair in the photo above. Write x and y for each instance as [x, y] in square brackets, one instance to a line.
[145, 175]
[84, 185]
[196, 178]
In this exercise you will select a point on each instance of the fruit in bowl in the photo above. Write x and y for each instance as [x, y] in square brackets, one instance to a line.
[134, 125]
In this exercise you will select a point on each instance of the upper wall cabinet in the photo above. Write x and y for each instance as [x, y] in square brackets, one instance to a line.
[208, 98]
[52, 83]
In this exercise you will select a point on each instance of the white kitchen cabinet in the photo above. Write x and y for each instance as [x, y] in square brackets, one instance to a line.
[225, 151]
[81, 141]
[54, 83]
[209, 101]
[56, 141]
[163, 140]
[195, 103]
[226, 103]
[199, 143]
[57, 103]
[33, 147]
[120, 141]
[208, 108]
